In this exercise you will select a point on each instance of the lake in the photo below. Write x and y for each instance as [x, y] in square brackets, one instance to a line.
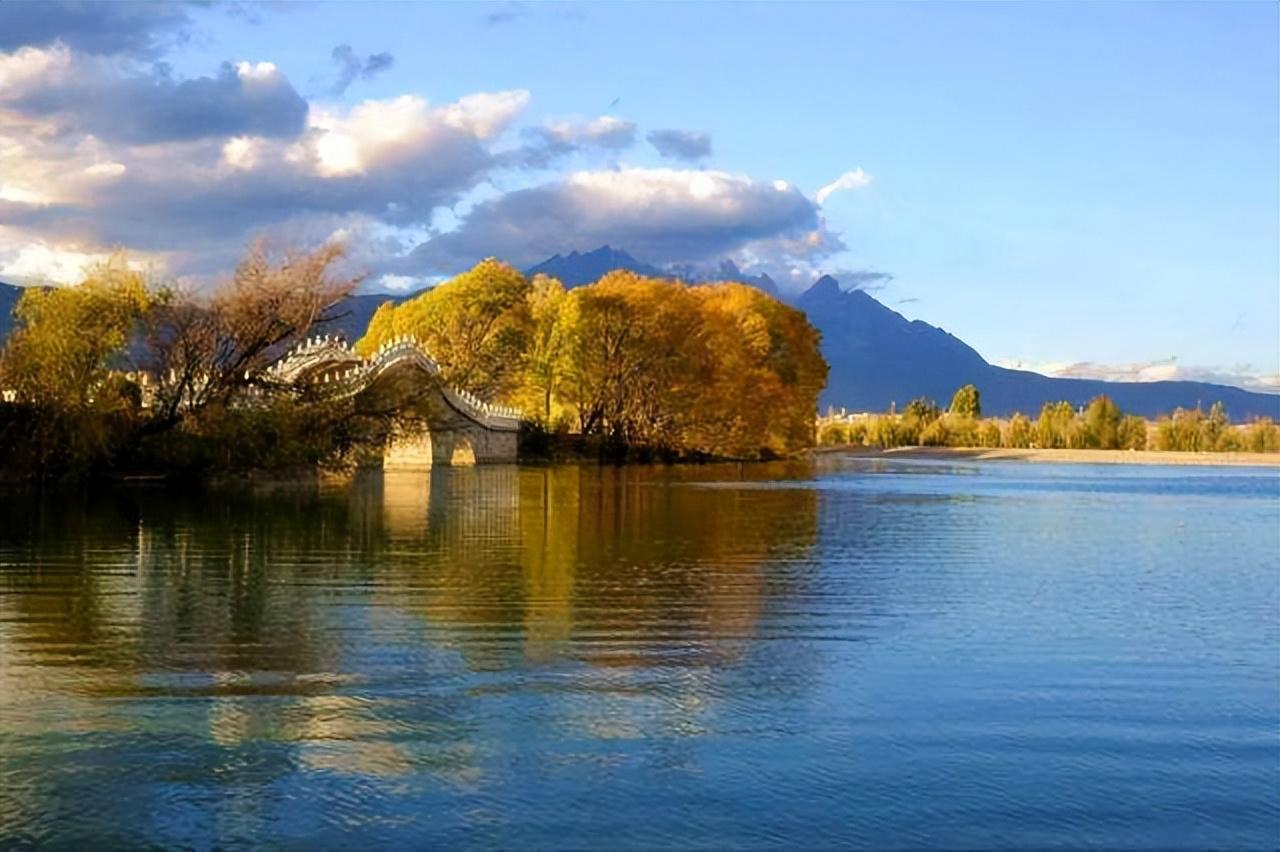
[843, 652]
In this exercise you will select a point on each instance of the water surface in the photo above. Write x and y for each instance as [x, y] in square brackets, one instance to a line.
[834, 654]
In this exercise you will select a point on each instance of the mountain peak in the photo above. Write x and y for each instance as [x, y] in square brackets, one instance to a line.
[578, 268]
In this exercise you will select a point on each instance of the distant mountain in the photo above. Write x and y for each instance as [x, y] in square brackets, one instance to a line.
[9, 295]
[352, 315]
[878, 357]
[576, 268]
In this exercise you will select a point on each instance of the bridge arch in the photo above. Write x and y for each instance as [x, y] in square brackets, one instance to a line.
[435, 424]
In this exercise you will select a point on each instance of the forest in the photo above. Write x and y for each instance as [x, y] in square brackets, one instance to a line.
[1100, 425]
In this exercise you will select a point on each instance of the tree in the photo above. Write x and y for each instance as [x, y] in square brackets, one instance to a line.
[966, 402]
[68, 339]
[1132, 433]
[476, 326]
[66, 364]
[989, 434]
[549, 334]
[205, 351]
[1055, 428]
[1019, 434]
[1101, 426]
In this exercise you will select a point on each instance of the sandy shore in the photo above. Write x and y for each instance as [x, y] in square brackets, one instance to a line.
[1062, 456]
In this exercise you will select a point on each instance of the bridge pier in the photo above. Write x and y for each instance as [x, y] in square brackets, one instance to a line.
[411, 448]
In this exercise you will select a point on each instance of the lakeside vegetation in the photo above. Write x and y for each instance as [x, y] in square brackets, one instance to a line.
[1100, 425]
[627, 366]
[117, 376]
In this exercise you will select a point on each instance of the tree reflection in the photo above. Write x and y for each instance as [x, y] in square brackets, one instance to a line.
[399, 626]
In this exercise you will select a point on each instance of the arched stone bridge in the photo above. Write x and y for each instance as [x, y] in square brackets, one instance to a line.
[436, 424]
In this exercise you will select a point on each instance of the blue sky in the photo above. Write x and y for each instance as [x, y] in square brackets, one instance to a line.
[1084, 188]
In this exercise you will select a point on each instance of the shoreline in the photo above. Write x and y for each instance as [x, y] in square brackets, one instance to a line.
[1146, 457]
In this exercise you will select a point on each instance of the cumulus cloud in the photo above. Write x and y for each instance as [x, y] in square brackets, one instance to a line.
[94, 154]
[1168, 370]
[688, 145]
[122, 27]
[42, 263]
[855, 179]
[115, 101]
[352, 67]
[102, 147]
[662, 215]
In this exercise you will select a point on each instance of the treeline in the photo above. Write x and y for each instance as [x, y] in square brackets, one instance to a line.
[632, 364]
[1100, 425]
[119, 376]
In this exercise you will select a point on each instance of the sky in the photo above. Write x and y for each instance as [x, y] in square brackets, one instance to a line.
[1084, 189]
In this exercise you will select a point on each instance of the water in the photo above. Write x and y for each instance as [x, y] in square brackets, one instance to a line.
[854, 653]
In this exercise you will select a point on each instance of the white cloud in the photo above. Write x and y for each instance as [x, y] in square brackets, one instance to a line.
[660, 215]
[30, 67]
[486, 114]
[43, 263]
[1240, 375]
[606, 131]
[855, 179]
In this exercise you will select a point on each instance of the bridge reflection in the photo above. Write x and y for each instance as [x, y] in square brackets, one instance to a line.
[318, 627]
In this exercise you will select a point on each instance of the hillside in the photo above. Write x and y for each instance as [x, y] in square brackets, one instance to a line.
[878, 357]
[9, 295]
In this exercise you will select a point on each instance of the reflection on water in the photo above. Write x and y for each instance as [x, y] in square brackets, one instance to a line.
[741, 655]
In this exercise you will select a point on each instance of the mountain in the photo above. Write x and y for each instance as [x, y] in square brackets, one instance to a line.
[352, 315]
[9, 295]
[576, 269]
[878, 357]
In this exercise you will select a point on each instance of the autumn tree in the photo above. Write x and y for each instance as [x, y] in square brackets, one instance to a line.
[1055, 428]
[549, 336]
[67, 340]
[1101, 424]
[67, 367]
[206, 350]
[1019, 433]
[966, 402]
[1132, 433]
[476, 326]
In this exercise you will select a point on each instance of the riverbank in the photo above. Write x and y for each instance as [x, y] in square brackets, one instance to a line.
[1059, 456]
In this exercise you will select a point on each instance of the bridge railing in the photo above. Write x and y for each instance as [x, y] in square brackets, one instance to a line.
[350, 373]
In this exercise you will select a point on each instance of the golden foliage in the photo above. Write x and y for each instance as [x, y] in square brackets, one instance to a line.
[718, 369]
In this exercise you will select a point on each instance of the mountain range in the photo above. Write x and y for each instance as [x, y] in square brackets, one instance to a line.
[877, 356]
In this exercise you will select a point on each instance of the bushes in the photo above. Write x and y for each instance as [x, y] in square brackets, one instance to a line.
[1099, 425]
